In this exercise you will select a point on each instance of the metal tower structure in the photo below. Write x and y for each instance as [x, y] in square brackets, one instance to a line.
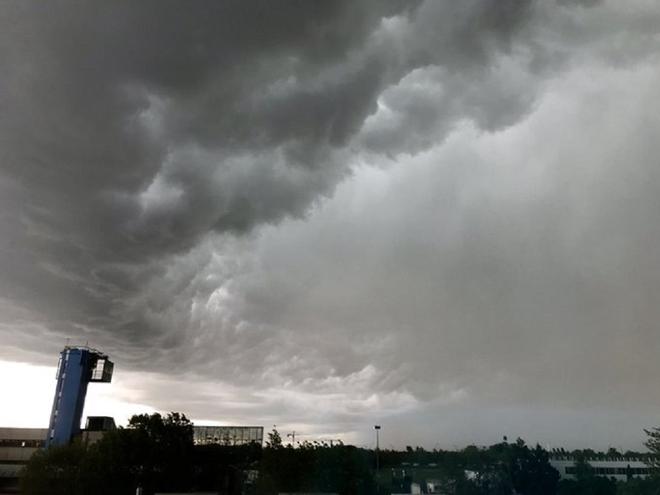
[78, 366]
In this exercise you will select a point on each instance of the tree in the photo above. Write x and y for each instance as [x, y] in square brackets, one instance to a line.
[512, 468]
[531, 472]
[586, 482]
[274, 439]
[163, 448]
[154, 452]
[651, 485]
[224, 468]
[315, 467]
[653, 444]
[55, 471]
[638, 486]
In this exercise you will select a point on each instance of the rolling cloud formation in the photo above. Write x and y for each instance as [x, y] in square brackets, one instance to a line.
[377, 205]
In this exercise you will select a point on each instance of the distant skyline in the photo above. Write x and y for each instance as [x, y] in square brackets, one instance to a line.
[440, 217]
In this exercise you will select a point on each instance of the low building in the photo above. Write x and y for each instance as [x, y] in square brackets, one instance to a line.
[619, 468]
[16, 447]
[96, 427]
[18, 444]
[228, 435]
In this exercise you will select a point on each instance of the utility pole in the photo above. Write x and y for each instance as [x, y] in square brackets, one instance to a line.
[292, 435]
[377, 428]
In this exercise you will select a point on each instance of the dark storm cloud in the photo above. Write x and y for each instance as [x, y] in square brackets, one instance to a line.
[102, 102]
[490, 278]
[131, 131]
[138, 128]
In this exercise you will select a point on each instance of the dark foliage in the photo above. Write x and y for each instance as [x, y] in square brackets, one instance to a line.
[316, 468]
[586, 482]
[223, 468]
[157, 453]
[154, 452]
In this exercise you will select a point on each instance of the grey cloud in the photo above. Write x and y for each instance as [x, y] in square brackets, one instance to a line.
[493, 80]
[425, 106]
[512, 274]
[112, 95]
[132, 131]
[583, 3]
[129, 132]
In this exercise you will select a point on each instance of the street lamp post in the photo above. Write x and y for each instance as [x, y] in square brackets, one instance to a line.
[377, 428]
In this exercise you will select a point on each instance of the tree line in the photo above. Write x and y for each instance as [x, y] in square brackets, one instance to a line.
[157, 453]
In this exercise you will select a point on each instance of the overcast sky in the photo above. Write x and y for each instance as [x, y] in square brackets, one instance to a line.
[438, 216]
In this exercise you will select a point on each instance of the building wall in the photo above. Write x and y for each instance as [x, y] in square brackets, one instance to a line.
[16, 447]
[228, 435]
[618, 469]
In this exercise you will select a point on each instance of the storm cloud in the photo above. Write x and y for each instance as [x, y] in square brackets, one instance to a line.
[388, 206]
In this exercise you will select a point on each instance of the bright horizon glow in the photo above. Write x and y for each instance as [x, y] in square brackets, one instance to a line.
[30, 390]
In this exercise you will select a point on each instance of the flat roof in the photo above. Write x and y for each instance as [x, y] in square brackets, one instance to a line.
[225, 426]
[7, 433]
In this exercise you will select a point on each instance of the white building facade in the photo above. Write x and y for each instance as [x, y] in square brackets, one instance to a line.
[621, 468]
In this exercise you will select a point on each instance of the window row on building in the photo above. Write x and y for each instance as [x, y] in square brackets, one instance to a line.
[228, 435]
[611, 471]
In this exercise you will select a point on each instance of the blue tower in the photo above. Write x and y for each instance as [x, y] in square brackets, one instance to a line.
[77, 367]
